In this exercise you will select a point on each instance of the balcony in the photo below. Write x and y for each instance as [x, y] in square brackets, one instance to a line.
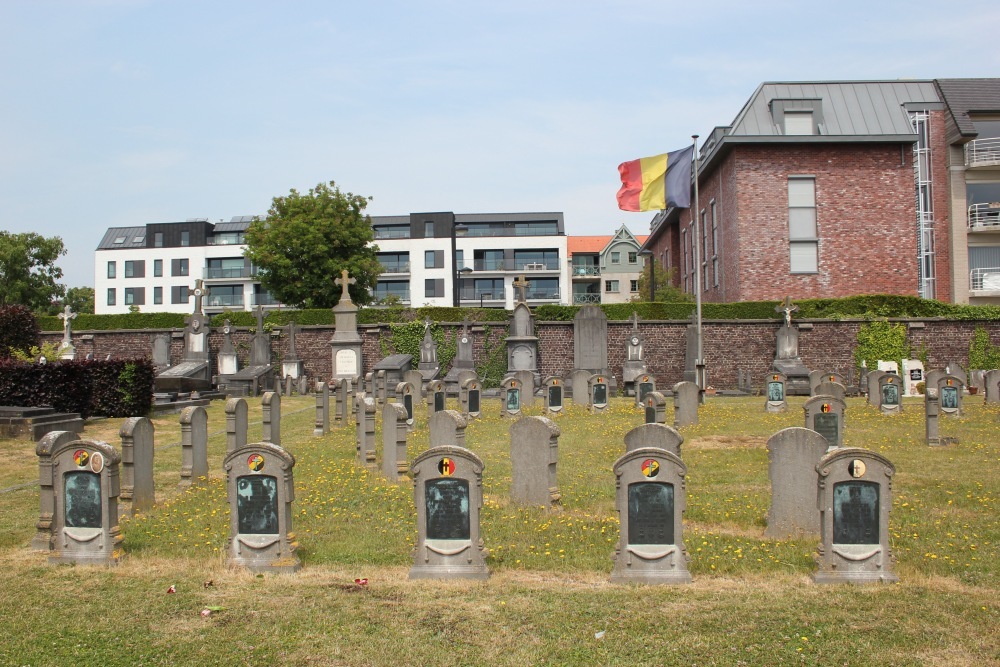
[985, 282]
[585, 299]
[482, 297]
[264, 299]
[224, 300]
[395, 267]
[215, 273]
[587, 271]
[541, 295]
[381, 296]
[983, 153]
[984, 217]
[545, 265]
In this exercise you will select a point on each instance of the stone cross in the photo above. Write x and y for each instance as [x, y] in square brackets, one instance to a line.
[344, 281]
[66, 316]
[259, 315]
[427, 325]
[292, 330]
[787, 308]
[635, 321]
[521, 287]
[199, 292]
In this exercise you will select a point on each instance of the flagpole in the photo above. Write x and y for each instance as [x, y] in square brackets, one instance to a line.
[699, 362]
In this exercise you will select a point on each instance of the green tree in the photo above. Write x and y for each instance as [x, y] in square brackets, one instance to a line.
[28, 273]
[665, 291]
[80, 299]
[307, 240]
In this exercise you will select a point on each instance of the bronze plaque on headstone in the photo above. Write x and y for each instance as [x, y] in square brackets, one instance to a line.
[827, 424]
[855, 513]
[474, 400]
[644, 388]
[776, 391]
[447, 503]
[890, 394]
[650, 414]
[257, 503]
[438, 401]
[408, 404]
[600, 394]
[555, 396]
[83, 499]
[513, 400]
[949, 398]
[650, 513]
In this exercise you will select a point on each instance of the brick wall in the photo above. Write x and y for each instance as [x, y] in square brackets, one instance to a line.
[729, 346]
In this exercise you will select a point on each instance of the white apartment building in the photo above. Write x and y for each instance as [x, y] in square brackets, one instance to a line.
[434, 259]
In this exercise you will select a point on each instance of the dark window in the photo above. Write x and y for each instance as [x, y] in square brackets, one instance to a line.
[135, 296]
[111, 296]
[428, 230]
[135, 268]
[185, 238]
[434, 259]
[157, 295]
[434, 287]
[158, 240]
[157, 268]
[179, 294]
[111, 269]
[179, 267]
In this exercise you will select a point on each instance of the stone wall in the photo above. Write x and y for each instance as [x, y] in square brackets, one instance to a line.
[729, 346]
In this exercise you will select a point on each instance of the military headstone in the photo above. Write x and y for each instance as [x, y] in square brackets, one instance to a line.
[792, 455]
[658, 436]
[527, 379]
[534, 454]
[598, 392]
[950, 394]
[138, 492]
[855, 496]
[470, 398]
[932, 410]
[367, 408]
[447, 427]
[448, 495]
[322, 409]
[991, 383]
[271, 418]
[775, 392]
[194, 445]
[554, 394]
[655, 408]
[578, 387]
[416, 380]
[394, 429]
[874, 395]
[406, 395]
[650, 498]
[237, 423]
[825, 415]
[686, 397]
[643, 384]
[891, 400]
[828, 388]
[261, 489]
[436, 397]
[510, 397]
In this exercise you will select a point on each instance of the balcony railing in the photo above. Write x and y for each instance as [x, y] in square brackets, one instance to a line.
[985, 216]
[584, 299]
[264, 299]
[542, 295]
[985, 279]
[480, 295]
[586, 271]
[982, 152]
[536, 265]
[240, 272]
[403, 296]
[395, 267]
[224, 300]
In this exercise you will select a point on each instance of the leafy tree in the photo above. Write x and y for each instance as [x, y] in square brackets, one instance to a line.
[80, 299]
[28, 272]
[307, 240]
[665, 290]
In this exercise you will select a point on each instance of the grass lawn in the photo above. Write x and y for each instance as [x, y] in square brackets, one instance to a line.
[548, 600]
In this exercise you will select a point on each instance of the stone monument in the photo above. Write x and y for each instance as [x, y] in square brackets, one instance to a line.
[194, 371]
[463, 360]
[66, 349]
[786, 360]
[522, 344]
[534, 454]
[346, 343]
[554, 395]
[775, 391]
[258, 375]
[825, 415]
[792, 455]
[429, 367]
[635, 360]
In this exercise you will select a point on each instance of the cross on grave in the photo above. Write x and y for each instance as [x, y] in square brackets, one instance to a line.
[521, 287]
[292, 331]
[787, 308]
[199, 292]
[635, 321]
[66, 316]
[259, 315]
[344, 281]
[427, 325]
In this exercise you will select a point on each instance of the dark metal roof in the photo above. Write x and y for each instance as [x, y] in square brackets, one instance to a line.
[131, 237]
[230, 226]
[963, 96]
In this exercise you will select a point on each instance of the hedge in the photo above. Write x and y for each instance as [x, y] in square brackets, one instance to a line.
[113, 388]
[19, 330]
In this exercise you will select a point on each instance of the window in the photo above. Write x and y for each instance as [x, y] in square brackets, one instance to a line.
[616, 257]
[802, 239]
[157, 268]
[157, 295]
[798, 122]
[531, 259]
[633, 258]
[428, 229]
[715, 245]
[542, 288]
[684, 258]
[111, 296]
[225, 295]
[392, 232]
[185, 238]
[434, 259]
[179, 294]
[488, 260]
[135, 269]
[158, 240]
[394, 262]
[610, 285]
[179, 267]
[633, 286]
[135, 296]
[111, 269]
[434, 287]
[704, 251]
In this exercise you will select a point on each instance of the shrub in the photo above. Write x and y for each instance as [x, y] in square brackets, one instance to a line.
[18, 330]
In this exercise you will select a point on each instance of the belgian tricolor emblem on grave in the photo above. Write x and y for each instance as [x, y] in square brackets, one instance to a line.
[80, 457]
[446, 466]
[825, 407]
[255, 462]
[650, 467]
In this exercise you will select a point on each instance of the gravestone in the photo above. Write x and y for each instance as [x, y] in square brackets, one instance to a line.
[643, 384]
[554, 394]
[991, 384]
[874, 395]
[578, 387]
[394, 369]
[447, 428]
[814, 380]
[66, 350]
[590, 344]
[510, 397]
[381, 390]
[228, 363]
[448, 496]
[161, 351]
[237, 423]
[138, 492]
[825, 415]
[950, 394]
[428, 366]
[261, 489]
[291, 365]
[346, 343]
[890, 394]
[527, 379]
[463, 360]
[932, 376]
[655, 408]
[913, 374]
[891, 367]
[416, 380]
[855, 496]
[322, 409]
[42, 541]
[470, 398]
[598, 393]
[436, 397]
[394, 429]
[686, 396]
[534, 454]
[634, 365]
[792, 455]
[270, 404]
[405, 396]
[786, 358]
[85, 488]
[775, 392]
[522, 344]
[338, 400]
[194, 372]
[370, 385]
[365, 440]
[194, 446]
[932, 410]
[828, 388]
[650, 498]
[259, 373]
[658, 436]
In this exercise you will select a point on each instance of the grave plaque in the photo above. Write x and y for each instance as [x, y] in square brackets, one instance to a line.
[510, 397]
[448, 497]
[469, 397]
[776, 393]
[650, 499]
[889, 392]
[261, 490]
[85, 487]
[854, 497]
[950, 394]
[598, 391]
[553, 394]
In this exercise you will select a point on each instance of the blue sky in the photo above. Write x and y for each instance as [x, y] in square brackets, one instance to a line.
[126, 112]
